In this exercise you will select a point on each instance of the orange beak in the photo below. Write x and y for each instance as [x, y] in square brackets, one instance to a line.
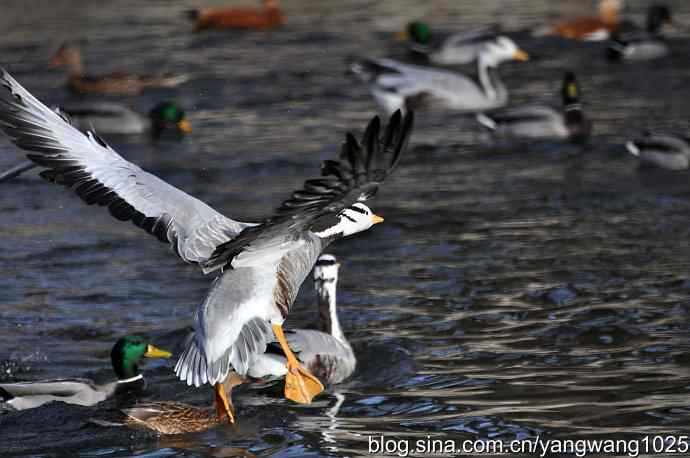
[184, 126]
[521, 55]
[376, 219]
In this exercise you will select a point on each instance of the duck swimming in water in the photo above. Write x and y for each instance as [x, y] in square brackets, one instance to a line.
[125, 356]
[542, 122]
[268, 17]
[665, 150]
[79, 81]
[647, 44]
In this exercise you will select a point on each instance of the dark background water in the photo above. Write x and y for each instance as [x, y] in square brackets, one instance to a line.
[513, 291]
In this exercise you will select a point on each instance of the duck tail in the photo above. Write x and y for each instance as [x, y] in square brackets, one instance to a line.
[486, 121]
[632, 148]
[615, 50]
[5, 395]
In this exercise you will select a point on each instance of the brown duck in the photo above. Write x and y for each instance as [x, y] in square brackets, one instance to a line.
[69, 55]
[268, 17]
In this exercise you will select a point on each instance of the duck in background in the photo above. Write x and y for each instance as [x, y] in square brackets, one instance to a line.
[588, 28]
[665, 150]
[125, 357]
[543, 122]
[647, 44]
[395, 85]
[268, 17]
[446, 49]
[69, 55]
[166, 118]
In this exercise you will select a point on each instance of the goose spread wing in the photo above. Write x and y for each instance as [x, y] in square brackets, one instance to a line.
[86, 164]
[354, 177]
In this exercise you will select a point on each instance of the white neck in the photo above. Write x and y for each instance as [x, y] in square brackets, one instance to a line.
[326, 293]
[484, 63]
[131, 379]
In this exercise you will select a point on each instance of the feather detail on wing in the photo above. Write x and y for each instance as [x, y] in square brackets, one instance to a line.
[97, 174]
[354, 177]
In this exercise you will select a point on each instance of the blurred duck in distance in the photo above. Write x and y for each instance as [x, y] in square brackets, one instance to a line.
[642, 44]
[268, 17]
[588, 28]
[539, 122]
[69, 55]
[445, 48]
[660, 149]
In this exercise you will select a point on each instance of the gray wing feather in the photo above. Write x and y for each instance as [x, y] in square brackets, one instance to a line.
[99, 175]
[327, 357]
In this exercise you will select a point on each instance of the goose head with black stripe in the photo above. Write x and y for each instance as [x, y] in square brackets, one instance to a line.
[356, 218]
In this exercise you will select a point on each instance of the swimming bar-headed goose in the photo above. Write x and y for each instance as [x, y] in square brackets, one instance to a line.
[260, 267]
[125, 356]
[395, 85]
[447, 49]
[665, 150]
[543, 122]
[326, 353]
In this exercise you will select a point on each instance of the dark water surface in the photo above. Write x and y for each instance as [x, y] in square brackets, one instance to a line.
[512, 292]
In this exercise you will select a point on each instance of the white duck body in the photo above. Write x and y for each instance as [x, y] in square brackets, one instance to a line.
[395, 85]
[664, 150]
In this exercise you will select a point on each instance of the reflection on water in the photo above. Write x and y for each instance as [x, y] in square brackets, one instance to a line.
[514, 291]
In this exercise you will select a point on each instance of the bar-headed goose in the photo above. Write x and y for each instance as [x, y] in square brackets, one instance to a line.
[446, 49]
[645, 44]
[543, 122]
[395, 85]
[125, 357]
[665, 150]
[260, 267]
[326, 353]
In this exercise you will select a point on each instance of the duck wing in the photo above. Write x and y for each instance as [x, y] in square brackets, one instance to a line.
[99, 175]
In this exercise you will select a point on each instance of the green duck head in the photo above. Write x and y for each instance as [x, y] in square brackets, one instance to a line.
[168, 116]
[128, 352]
[419, 32]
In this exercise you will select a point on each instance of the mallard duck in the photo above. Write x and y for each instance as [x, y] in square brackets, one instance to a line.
[586, 28]
[665, 150]
[79, 81]
[112, 118]
[125, 356]
[395, 85]
[270, 16]
[260, 268]
[645, 44]
[543, 122]
[446, 49]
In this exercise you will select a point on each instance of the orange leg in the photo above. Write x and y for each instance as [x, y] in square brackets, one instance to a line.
[300, 385]
[223, 404]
